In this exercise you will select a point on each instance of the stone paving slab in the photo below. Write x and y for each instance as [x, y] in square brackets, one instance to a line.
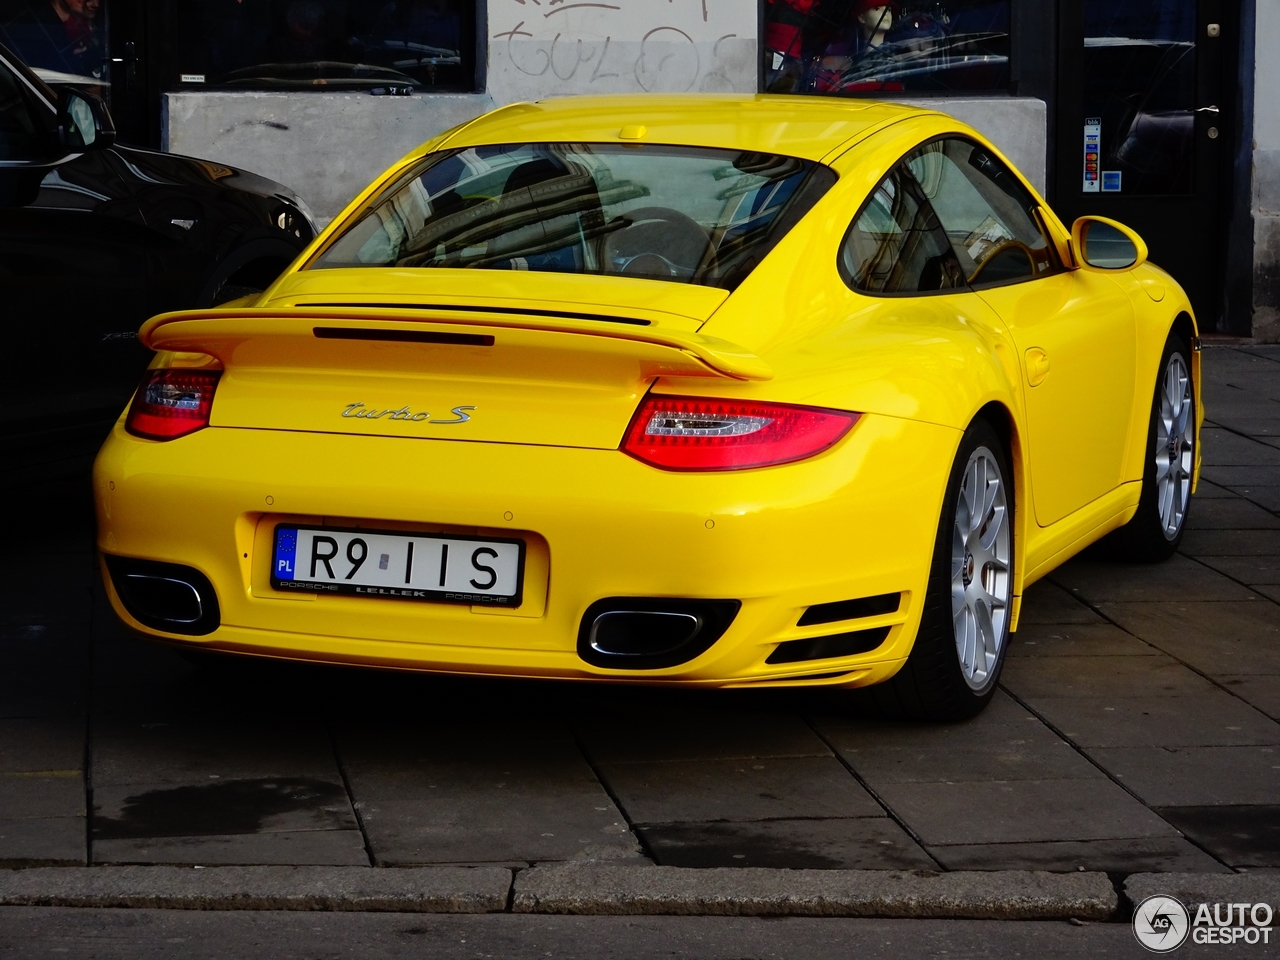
[1194, 889]
[1020, 811]
[1122, 856]
[1233, 514]
[52, 840]
[1196, 776]
[1231, 543]
[421, 890]
[754, 789]
[1004, 743]
[597, 889]
[1103, 677]
[41, 744]
[543, 823]
[1077, 640]
[341, 848]
[1245, 836]
[640, 736]
[27, 797]
[1046, 602]
[1262, 692]
[1217, 639]
[864, 843]
[1212, 719]
[1251, 570]
[1179, 576]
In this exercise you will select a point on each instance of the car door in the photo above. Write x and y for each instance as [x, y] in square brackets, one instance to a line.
[72, 281]
[1075, 331]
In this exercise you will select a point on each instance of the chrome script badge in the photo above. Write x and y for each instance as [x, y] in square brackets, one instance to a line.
[363, 412]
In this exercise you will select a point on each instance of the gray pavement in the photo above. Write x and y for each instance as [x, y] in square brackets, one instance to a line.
[1136, 731]
[194, 935]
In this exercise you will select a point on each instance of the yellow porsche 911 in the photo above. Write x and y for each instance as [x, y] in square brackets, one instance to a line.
[727, 391]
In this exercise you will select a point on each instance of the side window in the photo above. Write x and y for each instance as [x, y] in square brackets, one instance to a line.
[988, 215]
[21, 136]
[896, 244]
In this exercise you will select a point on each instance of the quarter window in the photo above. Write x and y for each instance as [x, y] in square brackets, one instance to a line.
[989, 216]
[897, 245]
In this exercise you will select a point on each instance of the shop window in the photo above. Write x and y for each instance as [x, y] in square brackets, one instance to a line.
[860, 47]
[399, 47]
[62, 40]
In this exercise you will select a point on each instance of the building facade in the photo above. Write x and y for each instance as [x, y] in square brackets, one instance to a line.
[1139, 109]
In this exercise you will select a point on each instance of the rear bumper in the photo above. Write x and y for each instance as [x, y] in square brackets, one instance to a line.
[857, 521]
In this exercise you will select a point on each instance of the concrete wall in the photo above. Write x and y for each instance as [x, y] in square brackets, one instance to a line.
[1266, 175]
[327, 146]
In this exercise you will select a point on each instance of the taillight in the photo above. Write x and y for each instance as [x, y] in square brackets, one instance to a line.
[172, 403]
[690, 433]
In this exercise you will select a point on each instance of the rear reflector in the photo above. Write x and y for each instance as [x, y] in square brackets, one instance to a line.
[693, 433]
[172, 403]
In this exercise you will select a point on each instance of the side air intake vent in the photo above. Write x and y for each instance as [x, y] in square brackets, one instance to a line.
[828, 648]
[850, 609]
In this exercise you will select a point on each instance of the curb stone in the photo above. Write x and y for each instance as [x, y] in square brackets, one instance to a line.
[583, 888]
[592, 888]
[416, 890]
[1194, 889]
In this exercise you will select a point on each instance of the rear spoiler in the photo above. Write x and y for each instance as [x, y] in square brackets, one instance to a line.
[218, 331]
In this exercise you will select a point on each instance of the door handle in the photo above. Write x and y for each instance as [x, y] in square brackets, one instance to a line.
[1207, 110]
[1037, 366]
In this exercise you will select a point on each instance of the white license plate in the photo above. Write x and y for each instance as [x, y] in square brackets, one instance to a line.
[398, 566]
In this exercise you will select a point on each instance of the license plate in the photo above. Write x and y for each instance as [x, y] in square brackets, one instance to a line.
[398, 566]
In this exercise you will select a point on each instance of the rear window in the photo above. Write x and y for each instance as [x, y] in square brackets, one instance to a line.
[684, 214]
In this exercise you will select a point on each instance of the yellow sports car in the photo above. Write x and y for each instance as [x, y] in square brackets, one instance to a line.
[726, 391]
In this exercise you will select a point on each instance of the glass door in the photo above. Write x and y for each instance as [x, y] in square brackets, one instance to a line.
[1141, 130]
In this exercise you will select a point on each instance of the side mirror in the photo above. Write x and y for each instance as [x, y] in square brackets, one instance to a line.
[84, 123]
[1104, 244]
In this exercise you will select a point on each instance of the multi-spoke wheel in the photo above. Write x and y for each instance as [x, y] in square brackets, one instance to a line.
[1156, 529]
[980, 568]
[955, 662]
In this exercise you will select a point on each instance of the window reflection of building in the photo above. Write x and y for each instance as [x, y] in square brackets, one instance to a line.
[863, 46]
[334, 44]
[1140, 81]
[62, 35]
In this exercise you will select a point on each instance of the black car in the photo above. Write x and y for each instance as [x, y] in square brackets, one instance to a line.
[94, 239]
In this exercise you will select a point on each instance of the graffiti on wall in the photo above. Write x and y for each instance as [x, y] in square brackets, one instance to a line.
[543, 47]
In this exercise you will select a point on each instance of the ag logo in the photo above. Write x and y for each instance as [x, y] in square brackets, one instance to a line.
[1161, 924]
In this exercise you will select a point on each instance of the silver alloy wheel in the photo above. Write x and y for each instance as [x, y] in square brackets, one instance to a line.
[1175, 446]
[980, 568]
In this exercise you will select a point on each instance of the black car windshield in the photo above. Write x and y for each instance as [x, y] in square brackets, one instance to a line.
[685, 214]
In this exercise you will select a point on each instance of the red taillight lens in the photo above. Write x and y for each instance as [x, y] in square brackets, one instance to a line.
[172, 403]
[689, 433]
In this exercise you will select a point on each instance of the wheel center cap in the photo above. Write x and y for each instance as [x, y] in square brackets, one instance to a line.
[968, 569]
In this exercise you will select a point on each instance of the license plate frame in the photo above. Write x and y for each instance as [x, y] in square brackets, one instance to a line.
[422, 544]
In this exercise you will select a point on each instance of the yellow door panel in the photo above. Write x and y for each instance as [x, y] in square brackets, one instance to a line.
[1077, 337]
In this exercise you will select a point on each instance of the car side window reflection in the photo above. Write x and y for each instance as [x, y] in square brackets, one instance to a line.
[896, 244]
[21, 136]
[988, 215]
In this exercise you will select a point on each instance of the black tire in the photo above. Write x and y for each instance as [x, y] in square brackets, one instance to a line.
[932, 685]
[1146, 538]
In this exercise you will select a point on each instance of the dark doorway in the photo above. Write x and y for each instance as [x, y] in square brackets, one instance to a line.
[1143, 129]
